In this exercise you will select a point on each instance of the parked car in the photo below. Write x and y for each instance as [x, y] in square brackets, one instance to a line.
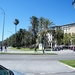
[56, 48]
[73, 48]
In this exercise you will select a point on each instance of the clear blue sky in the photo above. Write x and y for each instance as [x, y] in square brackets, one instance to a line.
[59, 11]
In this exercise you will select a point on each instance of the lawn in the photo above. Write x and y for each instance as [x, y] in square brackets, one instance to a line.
[69, 62]
[26, 49]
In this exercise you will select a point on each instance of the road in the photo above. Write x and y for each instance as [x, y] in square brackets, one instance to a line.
[38, 64]
[37, 57]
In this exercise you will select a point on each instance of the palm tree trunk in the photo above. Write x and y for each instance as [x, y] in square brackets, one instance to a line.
[15, 29]
[15, 35]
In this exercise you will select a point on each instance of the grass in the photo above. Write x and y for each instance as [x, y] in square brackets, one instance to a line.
[26, 49]
[39, 52]
[68, 62]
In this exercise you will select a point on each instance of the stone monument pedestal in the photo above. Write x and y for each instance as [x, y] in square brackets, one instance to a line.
[40, 46]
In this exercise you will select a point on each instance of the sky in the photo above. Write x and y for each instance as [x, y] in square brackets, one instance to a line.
[59, 11]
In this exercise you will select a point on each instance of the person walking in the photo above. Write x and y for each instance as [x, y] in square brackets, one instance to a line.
[5, 48]
[1, 48]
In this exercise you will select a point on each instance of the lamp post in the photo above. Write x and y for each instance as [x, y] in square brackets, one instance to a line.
[3, 26]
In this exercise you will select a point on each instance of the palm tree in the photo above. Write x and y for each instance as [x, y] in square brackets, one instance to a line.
[44, 25]
[41, 21]
[35, 23]
[59, 34]
[47, 24]
[16, 22]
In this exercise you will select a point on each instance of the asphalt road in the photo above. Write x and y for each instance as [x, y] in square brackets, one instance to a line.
[38, 64]
[37, 57]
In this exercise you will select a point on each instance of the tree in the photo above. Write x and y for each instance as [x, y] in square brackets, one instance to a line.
[59, 36]
[35, 23]
[66, 39]
[20, 36]
[47, 24]
[13, 40]
[73, 39]
[41, 22]
[44, 26]
[47, 27]
[16, 22]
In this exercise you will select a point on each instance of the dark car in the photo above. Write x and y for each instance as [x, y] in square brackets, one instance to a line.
[73, 48]
[58, 48]
[5, 71]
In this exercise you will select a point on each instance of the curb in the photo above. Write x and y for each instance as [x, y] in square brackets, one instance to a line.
[29, 53]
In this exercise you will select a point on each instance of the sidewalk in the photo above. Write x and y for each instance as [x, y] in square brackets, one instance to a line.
[57, 52]
[64, 51]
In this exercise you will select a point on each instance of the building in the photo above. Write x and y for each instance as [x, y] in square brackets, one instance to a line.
[69, 28]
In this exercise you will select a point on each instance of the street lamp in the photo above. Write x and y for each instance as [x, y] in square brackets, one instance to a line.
[3, 26]
[73, 3]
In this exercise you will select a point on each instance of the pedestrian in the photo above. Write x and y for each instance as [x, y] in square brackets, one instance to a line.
[1, 48]
[35, 49]
[6, 48]
[43, 50]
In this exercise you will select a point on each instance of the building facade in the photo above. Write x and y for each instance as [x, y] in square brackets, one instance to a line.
[69, 28]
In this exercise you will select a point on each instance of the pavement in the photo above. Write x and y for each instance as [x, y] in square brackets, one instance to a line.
[33, 68]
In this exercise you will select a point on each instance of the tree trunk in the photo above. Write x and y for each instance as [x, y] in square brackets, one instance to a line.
[15, 29]
[15, 35]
